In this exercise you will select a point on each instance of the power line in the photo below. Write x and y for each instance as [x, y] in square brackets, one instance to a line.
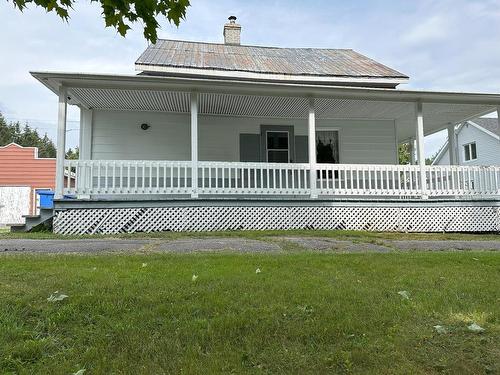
[33, 123]
[18, 119]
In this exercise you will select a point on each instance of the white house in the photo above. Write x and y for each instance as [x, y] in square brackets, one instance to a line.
[226, 136]
[477, 142]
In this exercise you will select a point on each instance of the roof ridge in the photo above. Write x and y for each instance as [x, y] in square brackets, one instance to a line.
[250, 45]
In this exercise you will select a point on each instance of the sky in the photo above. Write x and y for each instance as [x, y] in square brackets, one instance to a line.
[450, 45]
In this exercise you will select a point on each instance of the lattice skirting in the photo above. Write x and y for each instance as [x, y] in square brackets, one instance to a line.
[217, 218]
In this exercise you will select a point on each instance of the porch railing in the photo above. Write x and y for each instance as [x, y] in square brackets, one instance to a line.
[253, 178]
[129, 177]
[117, 177]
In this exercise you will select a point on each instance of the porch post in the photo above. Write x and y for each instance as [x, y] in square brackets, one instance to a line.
[498, 115]
[85, 134]
[420, 148]
[61, 141]
[452, 144]
[411, 148]
[85, 147]
[194, 145]
[311, 126]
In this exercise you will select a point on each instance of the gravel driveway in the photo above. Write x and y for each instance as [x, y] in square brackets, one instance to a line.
[271, 244]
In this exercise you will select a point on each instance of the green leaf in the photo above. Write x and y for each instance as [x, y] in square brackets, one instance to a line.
[122, 28]
[121, 13]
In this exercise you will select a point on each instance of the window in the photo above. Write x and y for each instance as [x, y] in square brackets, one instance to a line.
[327, 146]
[277, 147]
[470, 152]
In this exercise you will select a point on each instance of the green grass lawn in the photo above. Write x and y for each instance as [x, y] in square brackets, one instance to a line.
[305, 313]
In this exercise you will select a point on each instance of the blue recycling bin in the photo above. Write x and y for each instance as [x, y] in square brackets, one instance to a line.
[46, 199]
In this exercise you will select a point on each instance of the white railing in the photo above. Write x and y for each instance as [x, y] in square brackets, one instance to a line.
[362, 179]
[129, 177]
[115, 177]
[253, 178]
[463, 181]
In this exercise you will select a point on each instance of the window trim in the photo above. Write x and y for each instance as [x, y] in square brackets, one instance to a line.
[467, 147]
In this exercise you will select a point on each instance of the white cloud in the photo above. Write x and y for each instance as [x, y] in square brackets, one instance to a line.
[433, 29]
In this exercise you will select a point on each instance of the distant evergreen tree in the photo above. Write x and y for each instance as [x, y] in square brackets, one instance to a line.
[26, 137]
[6, 132]
[47, 146]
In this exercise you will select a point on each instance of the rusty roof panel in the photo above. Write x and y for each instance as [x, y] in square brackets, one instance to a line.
[271, 60]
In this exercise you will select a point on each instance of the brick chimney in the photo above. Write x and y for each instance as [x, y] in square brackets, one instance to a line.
[232, 32]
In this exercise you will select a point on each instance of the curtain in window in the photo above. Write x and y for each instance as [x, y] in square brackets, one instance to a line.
[327, 146]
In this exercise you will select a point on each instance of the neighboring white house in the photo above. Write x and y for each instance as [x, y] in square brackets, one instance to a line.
[212, 136]
[477, 143]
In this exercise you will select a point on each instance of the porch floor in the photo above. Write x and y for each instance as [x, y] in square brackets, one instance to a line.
[216, 200]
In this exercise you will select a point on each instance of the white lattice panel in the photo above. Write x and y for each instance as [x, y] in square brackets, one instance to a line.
[217, 218]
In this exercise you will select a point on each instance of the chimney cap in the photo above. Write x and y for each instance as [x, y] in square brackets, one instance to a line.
[232, 19]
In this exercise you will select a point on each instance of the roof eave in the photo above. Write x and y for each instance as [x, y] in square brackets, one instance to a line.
[271, 77]
[55, 79]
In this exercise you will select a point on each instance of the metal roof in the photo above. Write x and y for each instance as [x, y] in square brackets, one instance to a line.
[305, 62]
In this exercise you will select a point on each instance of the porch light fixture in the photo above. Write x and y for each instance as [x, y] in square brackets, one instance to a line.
[145, 126]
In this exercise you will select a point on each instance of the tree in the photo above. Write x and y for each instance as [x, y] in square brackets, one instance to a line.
[73, 155]
[405, 158]
[121, 13]
[429, 161]
[46, 147]
[26, 137]
[6, 132]
[404, 153]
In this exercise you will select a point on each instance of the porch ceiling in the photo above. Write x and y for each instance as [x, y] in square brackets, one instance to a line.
[436, 115]
[257, 99]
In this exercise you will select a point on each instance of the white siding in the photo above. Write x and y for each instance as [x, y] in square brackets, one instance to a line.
[117, 135]
[487, 147]
[365, 142]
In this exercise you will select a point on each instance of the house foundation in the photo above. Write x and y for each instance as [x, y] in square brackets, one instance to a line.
[113, 217]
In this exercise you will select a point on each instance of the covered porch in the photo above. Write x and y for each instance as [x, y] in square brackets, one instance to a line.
[126, 179]
[292, 120]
